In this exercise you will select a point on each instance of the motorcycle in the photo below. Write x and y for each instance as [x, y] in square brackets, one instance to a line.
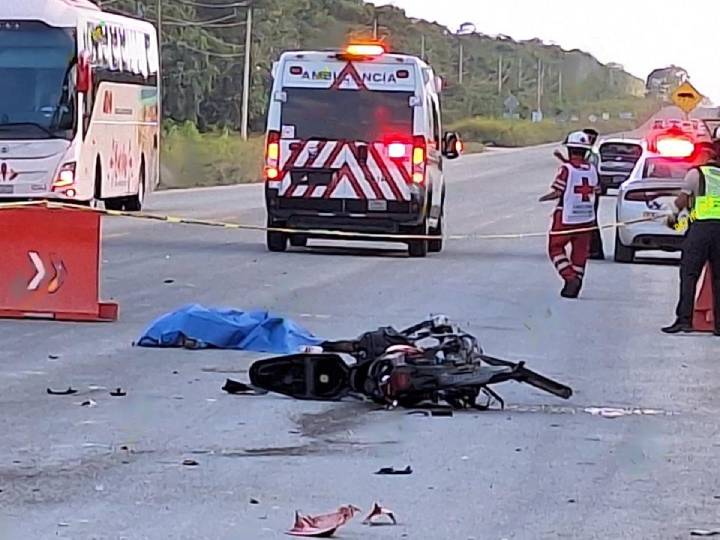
[432, 361]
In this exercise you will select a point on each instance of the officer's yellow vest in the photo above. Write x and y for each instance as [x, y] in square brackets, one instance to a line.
[707, 206]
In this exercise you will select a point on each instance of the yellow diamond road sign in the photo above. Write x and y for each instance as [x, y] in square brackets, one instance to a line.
[687, 97]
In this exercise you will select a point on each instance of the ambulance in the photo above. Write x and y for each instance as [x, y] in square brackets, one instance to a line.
[354, 143]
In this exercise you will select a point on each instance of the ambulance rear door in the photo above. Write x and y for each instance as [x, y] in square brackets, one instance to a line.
[346, 134]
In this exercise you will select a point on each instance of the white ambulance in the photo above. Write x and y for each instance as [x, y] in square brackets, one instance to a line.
[354, 143]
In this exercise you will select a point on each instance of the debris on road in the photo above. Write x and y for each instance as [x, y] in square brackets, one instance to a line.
[53, 356]
[617, 412]
[431, 361]
[324, 525]
[377, 513]
[169, 281]
[118, 392]
[254, 501]
[236, 387]
[393, 470]
[705, 532]
[88, 403]
[190, 463]
[67, 392]
[199, 327]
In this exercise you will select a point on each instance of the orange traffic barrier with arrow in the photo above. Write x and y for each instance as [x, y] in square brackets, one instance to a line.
[50, 265]
[703, 314]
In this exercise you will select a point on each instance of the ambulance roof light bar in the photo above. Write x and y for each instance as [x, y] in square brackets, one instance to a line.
[364, 49]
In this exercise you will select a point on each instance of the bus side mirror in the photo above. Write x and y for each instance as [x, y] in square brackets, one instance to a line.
[716, 133]
[83, 82]
[452, 146]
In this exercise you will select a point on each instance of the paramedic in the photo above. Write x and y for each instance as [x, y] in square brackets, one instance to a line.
[575, 188]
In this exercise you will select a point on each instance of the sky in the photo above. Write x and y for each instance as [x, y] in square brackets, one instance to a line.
[639, 34]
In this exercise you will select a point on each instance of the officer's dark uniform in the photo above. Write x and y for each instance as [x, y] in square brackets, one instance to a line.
[702, 243]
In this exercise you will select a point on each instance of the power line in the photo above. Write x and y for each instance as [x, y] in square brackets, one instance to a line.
[222, 19]
[209, 53]
[213, 6]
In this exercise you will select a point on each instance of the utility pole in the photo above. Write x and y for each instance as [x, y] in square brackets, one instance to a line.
[560, 85]
[246, 75]
[375, 27]
[460, 63]
[539, 85]
[500, 75]
[422, 47]
[519, 72]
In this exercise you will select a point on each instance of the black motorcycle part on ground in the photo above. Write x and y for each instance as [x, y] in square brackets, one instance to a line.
[522, 374]
[318, 377]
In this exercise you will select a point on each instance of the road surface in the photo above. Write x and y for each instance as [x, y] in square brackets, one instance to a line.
[544, 468]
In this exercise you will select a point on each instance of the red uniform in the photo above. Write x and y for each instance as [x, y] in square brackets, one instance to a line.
[577, 184]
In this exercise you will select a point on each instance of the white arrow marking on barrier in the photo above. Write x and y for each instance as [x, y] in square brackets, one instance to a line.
[40, 270]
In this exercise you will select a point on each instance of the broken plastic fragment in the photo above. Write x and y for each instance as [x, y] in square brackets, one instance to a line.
[119, 392]
[88, 403]
[324, 525]
[190, 463]
[393, 470]
[705, 532]
[236, 387]
[376, 514]
[67, 392]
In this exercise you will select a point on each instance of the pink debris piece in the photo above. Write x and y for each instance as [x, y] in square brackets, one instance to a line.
[322, 526]
[376, 513]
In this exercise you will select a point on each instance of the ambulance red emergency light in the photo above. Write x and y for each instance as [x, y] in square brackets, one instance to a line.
[355, 143]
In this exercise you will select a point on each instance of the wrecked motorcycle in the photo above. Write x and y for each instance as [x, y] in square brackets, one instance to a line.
[430, 362]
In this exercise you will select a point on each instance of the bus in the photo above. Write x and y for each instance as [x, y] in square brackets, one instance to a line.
[79, 104]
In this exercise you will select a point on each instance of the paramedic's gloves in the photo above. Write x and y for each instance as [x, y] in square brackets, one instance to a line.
[671, 221]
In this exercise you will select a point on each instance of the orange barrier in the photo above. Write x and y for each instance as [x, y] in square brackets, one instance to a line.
[50, 265]
[703, 316]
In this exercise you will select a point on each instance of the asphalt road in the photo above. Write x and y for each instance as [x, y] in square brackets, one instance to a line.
[544, 468]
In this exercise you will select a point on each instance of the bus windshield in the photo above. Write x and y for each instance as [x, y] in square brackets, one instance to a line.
[37, 96]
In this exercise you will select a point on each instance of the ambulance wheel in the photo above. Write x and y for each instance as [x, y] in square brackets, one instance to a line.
[435, 246]
[297, 240]
[277, 241]
[418, 248]
[623, 253]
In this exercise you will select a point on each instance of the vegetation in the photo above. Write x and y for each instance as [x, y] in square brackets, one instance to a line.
[203, 60]
[215, 158]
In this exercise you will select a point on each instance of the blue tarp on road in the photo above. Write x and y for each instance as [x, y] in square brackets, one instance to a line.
[258, 331]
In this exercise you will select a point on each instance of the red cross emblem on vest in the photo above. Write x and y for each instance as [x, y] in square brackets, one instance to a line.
[585, 190]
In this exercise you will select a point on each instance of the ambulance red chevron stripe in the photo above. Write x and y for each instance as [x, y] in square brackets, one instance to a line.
[370, 176]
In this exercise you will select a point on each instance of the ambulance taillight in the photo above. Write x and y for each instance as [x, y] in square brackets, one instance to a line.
[419, 156]
[396, 150]
[272, 155]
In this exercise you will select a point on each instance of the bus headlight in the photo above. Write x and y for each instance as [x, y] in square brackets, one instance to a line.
[65, 177]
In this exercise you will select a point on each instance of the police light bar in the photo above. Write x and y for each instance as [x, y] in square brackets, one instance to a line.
[675, 147]
[365, 49]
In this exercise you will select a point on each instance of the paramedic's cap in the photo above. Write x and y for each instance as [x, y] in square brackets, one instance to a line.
[578, 139]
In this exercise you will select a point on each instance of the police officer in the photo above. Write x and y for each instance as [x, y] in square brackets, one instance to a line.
[701, 195]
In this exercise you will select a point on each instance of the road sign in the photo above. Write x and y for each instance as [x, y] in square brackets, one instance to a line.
[511, 104]
[687, 97]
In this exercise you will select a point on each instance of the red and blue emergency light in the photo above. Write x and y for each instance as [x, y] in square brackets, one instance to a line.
[673, 143]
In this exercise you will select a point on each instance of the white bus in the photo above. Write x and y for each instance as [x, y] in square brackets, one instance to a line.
[79, 104]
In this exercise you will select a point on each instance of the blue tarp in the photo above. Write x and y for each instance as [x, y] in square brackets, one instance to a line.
[259, 331]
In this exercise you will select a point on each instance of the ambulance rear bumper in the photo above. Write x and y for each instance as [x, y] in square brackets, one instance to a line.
[347, 216]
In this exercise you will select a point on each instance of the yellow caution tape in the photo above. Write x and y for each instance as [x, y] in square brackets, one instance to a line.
[321, 232]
